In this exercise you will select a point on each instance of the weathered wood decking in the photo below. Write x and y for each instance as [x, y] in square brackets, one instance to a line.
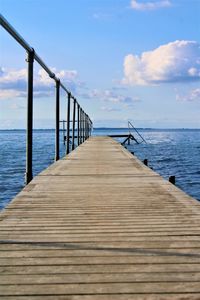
[100, 225]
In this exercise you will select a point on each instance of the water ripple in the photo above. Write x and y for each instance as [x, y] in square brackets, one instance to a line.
[174, 152]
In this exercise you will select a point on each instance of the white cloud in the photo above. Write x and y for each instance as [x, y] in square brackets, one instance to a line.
[65, 76]
[10, 93]
[177, 61]
[149, 5]
[13, 83]
[111, 96]
[12, 80]
[193, 72]
[193, 95]
[109, 109]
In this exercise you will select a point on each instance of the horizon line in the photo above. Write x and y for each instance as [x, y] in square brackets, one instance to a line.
[100, 128]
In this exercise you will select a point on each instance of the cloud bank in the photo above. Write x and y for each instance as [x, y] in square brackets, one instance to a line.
[110, 96]
[193, 95]
[13, 83]
[177, 61]
[142, 6]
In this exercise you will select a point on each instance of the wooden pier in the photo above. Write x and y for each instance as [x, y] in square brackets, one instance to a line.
[99, 224]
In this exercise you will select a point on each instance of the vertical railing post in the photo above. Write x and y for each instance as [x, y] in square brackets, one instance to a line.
[68, 123]
[86, 126]
[81, 125]
[73, 124]
[63, 131]
[78, 124]
[57, 138]
[89, 127]
[29, 130]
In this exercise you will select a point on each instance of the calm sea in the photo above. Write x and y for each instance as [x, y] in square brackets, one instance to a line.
[169, 152]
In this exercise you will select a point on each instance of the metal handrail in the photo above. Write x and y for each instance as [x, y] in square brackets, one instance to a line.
[131, 125]
[10, 29]
[31, 56]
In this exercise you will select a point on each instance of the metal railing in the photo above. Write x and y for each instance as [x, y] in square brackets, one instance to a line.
[84, 123]
[130, 127]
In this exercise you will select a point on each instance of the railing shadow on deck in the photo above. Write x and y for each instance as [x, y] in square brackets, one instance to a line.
[131, 250]
[84, 123]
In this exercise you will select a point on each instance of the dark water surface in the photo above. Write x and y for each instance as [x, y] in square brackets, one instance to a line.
[169, 152]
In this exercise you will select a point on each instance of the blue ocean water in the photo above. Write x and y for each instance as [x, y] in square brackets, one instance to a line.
[169, 152]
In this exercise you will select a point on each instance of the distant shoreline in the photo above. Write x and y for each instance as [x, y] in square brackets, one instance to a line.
[110, 128]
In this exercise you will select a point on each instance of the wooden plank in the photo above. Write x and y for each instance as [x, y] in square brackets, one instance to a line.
[104, 269]
[100, 288]
[18, 251]
[111, 260]
[152, 296]
[98, 224]
[99, 277]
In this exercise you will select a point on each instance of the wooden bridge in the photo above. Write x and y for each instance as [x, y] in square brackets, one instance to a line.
[98, 224]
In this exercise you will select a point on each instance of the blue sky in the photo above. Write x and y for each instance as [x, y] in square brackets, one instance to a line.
[123, 60]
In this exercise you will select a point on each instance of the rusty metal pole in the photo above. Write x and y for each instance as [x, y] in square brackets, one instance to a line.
[68, 123]
[29, 130]
[73, 125]
[57, 154]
